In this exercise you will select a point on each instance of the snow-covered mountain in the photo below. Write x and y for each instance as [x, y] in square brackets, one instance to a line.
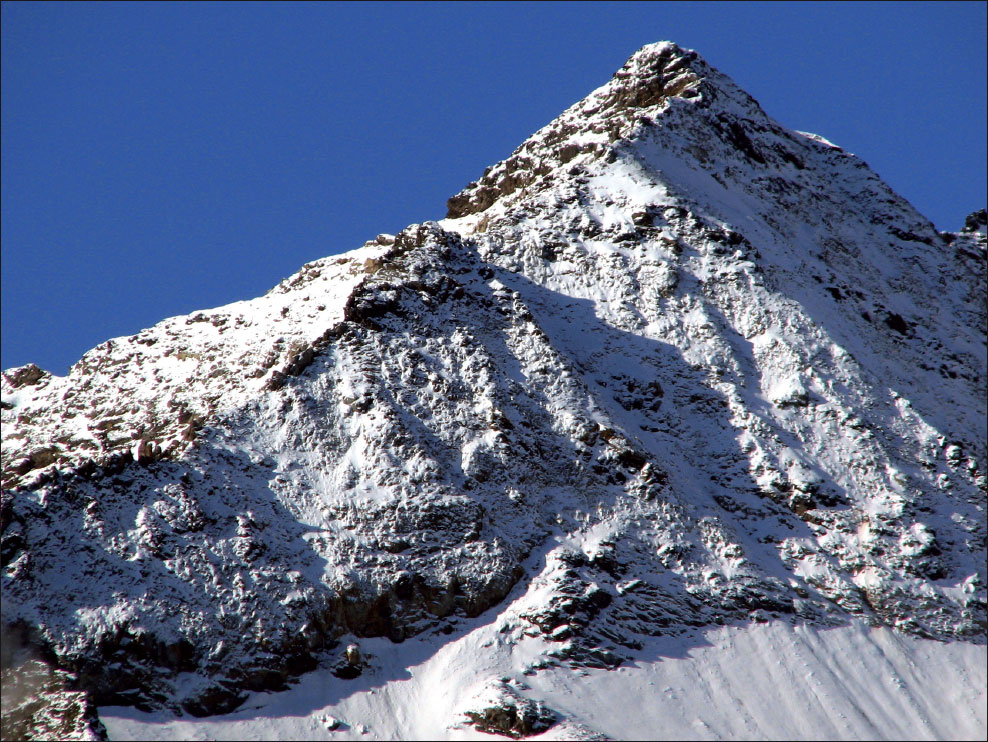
[667, 367]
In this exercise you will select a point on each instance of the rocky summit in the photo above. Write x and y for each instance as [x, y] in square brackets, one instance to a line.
[666, 367]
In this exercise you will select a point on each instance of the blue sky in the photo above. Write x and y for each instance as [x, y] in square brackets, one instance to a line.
[160, 158]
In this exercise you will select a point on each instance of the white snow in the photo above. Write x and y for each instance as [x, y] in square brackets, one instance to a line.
[761, 681]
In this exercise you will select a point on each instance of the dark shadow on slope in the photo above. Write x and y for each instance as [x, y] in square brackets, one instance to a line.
[873, 288]
[162, 551]
[695, 442]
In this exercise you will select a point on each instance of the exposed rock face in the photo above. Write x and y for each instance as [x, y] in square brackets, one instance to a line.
[501, 710]
[39, 704]
[39, 701]
[694, 367]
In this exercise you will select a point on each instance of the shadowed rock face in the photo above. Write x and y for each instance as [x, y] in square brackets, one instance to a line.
[40, 701]
[668, 365]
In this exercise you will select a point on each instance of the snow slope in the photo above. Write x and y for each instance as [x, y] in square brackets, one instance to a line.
[762, 681]
[667, 367]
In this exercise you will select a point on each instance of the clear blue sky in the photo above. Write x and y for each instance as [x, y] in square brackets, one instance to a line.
[161, 158]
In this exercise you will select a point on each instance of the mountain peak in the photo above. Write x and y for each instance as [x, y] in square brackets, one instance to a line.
[655, 79]
[652, 74]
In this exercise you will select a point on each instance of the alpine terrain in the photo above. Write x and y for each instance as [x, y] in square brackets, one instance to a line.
[675, 425]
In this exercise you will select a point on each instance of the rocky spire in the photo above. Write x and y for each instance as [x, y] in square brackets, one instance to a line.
[657, 79]
[639, 90]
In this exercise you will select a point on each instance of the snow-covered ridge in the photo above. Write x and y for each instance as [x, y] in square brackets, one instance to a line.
[669, 365]
[145, 396]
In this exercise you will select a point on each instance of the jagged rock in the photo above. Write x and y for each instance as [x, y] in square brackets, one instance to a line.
[976, 222]
[212, 700]
[39, 702]
[351, 665]
[25, 375]
[501, 710]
